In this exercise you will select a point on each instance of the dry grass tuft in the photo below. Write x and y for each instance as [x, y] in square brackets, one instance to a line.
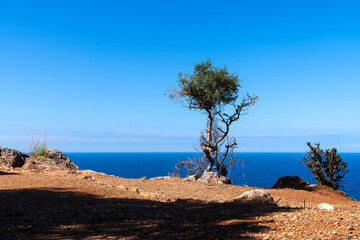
[37, 146]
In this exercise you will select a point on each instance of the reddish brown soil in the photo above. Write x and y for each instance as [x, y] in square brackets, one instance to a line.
[90, 205]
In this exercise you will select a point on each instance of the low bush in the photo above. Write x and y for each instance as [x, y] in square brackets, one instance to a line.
[327, 166]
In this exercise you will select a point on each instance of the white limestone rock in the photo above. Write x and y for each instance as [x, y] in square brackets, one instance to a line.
[326, 206]
[256, 195]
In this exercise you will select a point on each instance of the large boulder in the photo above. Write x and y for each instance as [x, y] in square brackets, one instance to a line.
[12, 158]
[294, 182]
[214, 177]
[55, 160]
[256, 195]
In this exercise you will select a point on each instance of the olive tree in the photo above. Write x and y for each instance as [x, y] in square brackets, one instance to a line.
[215, 92]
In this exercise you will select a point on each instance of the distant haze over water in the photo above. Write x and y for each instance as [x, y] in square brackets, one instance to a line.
[261, 169]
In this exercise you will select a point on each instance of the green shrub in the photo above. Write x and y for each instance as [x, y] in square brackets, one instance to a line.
[327, 166]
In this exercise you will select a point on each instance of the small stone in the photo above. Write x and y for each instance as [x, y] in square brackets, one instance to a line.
[89, 177]
[192, 178]
[122, 187]
[135, 190]
[326, 206]
[144, 179]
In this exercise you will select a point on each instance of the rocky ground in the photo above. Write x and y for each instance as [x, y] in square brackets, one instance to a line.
[90, 205]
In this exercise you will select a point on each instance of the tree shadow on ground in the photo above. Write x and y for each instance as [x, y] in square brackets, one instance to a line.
[64, 214]
[6, 173]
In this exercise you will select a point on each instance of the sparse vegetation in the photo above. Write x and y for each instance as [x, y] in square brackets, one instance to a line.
[37, 146]
[213, 91]
[354, 199]
[327, 166]
[197, 165]
[350, 197]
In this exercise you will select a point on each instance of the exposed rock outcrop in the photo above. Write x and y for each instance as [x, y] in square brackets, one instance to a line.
[61, 159]
[55, 160]
[12, 158]
[214, 177]
[256, 195]
[294, 182]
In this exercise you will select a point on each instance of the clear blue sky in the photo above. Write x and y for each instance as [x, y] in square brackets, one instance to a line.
[92, 74]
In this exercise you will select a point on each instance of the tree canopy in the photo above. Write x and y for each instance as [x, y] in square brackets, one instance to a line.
[208, 87]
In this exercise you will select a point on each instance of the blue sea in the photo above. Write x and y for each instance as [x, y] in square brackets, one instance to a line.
[261, 169]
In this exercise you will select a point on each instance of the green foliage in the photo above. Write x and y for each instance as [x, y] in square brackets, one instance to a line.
[327, 166]
[208, 87]
[37, 146]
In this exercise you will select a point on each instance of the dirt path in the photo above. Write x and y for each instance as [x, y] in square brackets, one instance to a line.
[90, 205]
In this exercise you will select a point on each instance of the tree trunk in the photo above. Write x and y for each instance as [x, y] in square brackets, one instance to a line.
[209, 167]
[209, 157]
[207, 145]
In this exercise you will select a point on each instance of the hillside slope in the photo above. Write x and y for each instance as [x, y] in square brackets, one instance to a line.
[90, 205]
